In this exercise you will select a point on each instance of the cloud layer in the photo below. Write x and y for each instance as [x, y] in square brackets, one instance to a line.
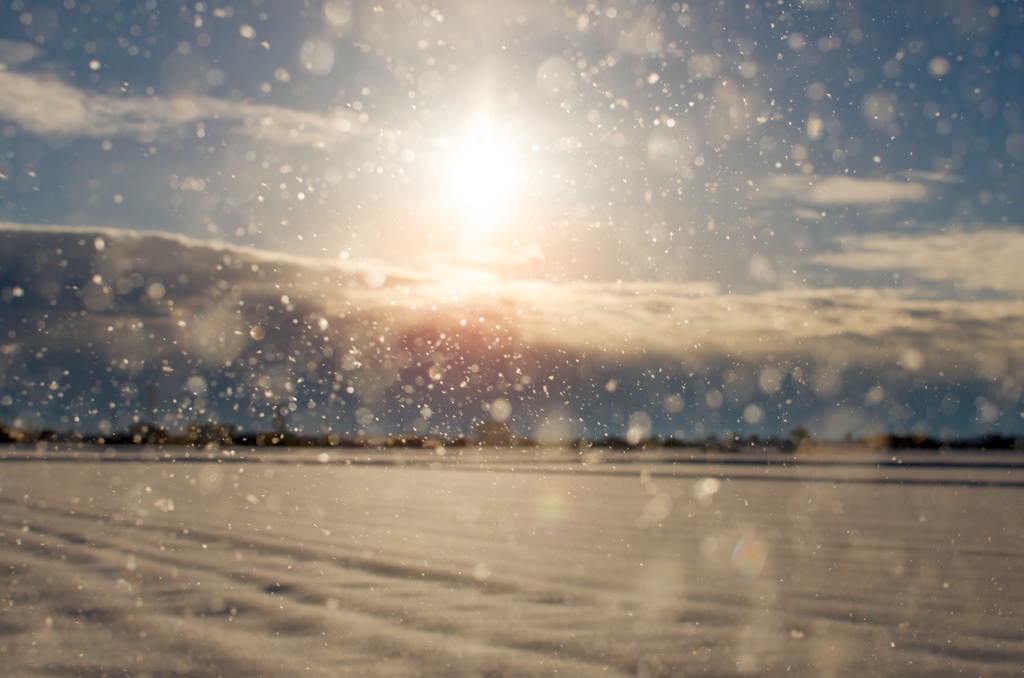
[103, 321]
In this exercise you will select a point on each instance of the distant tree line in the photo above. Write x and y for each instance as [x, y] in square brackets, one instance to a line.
[496, 435]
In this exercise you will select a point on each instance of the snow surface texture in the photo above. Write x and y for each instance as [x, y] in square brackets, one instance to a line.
[283, 569]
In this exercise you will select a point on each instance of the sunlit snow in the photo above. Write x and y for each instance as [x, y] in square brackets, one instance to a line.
[466, 567]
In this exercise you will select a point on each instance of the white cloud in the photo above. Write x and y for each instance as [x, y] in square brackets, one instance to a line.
[988, 259]
[840, 190]
[933, 177]
[44, 105]
[13, 53]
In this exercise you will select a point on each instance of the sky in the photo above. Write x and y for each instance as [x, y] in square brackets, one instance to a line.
[814, 196]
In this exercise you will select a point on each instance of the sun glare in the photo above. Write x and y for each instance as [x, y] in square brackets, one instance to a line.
[482, 180]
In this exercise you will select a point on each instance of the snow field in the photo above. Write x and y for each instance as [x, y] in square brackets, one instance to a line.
[212, 569]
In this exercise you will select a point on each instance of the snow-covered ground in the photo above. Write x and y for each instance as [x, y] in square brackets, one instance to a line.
[112, 568]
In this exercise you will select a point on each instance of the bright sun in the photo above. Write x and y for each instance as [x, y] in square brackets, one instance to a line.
[482, 178]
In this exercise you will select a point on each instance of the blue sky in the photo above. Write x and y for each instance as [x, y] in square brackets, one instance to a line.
[689, 182]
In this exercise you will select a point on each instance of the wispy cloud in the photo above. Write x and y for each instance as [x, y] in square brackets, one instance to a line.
[980, 261]
[840, 190]
[45, 105]
[858, 327]
[14, 52]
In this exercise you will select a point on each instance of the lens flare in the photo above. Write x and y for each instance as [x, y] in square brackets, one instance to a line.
[748, 558]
